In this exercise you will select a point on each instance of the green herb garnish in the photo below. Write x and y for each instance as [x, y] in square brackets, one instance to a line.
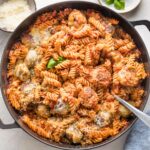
[119, 4]
[67, 106]
[60, 59]
[109, 2]
[52, 63]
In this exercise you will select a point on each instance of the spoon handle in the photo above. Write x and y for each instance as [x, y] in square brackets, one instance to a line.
[142, 116]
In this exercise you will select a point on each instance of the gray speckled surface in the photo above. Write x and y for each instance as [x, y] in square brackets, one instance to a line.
[17, 139]
[139, 138]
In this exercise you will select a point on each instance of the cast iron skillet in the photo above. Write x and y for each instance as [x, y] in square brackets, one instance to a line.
[127, 26]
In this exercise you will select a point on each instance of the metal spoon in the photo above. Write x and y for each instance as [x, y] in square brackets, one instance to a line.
[141, 115]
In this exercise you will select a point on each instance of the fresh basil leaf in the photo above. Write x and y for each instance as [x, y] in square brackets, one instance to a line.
[52, 63]
[60, 59]
[119, 4]
[109, 2]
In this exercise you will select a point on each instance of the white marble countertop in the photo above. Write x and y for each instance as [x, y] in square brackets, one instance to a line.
[17, 139]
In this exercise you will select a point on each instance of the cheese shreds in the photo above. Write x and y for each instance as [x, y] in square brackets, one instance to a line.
[12, 13]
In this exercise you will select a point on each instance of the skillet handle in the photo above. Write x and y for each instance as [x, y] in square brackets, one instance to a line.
[141, 22]
[8, 126]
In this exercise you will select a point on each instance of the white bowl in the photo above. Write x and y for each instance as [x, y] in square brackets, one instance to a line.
[129, 5]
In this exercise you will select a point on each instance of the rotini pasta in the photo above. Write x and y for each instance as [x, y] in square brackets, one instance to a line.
[63, 71]
[97, 24]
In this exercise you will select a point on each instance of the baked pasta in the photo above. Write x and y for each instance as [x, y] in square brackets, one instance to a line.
[64, 70]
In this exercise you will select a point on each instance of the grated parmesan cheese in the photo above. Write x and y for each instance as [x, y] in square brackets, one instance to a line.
[12, 13]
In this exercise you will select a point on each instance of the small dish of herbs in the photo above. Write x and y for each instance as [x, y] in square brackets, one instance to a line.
[120, 6]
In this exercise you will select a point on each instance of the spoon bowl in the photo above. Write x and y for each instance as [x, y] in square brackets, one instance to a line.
[141, 115]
